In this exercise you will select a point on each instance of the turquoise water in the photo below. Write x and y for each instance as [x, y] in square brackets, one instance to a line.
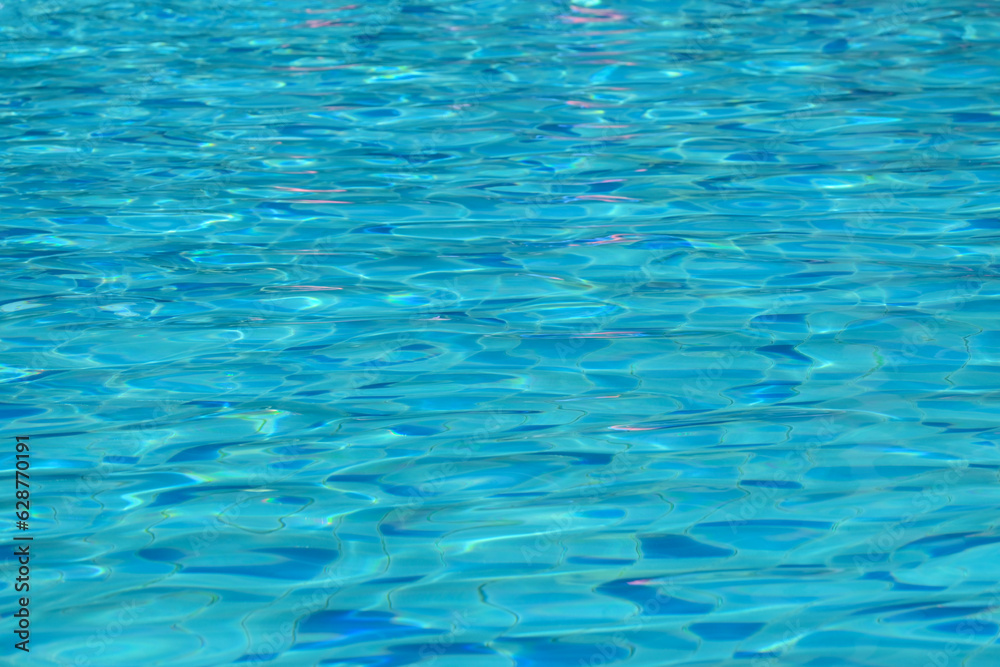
[518, 334]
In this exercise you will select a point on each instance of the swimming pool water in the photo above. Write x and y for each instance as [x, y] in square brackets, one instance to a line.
[494, 334]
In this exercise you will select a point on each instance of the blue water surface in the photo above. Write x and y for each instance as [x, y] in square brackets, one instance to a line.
[503, 334]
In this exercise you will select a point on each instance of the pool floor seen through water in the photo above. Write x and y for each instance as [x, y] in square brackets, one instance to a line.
[520, 334]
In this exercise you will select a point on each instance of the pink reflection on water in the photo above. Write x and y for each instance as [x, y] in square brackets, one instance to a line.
[317, 23]
[594, 15]
[606, 198]
[304, 288]
[583, 19]
[601, 33]
[614, 238]
[318, 201]
[312, 69]
[336, 9]
[593, 54]
[281, 187]
[607, 334]
[592, 19]
[599, 12]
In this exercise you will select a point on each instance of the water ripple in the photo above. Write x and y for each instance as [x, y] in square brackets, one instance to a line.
[531, 334]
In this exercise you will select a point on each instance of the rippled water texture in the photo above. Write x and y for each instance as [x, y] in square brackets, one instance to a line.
[484, 334]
